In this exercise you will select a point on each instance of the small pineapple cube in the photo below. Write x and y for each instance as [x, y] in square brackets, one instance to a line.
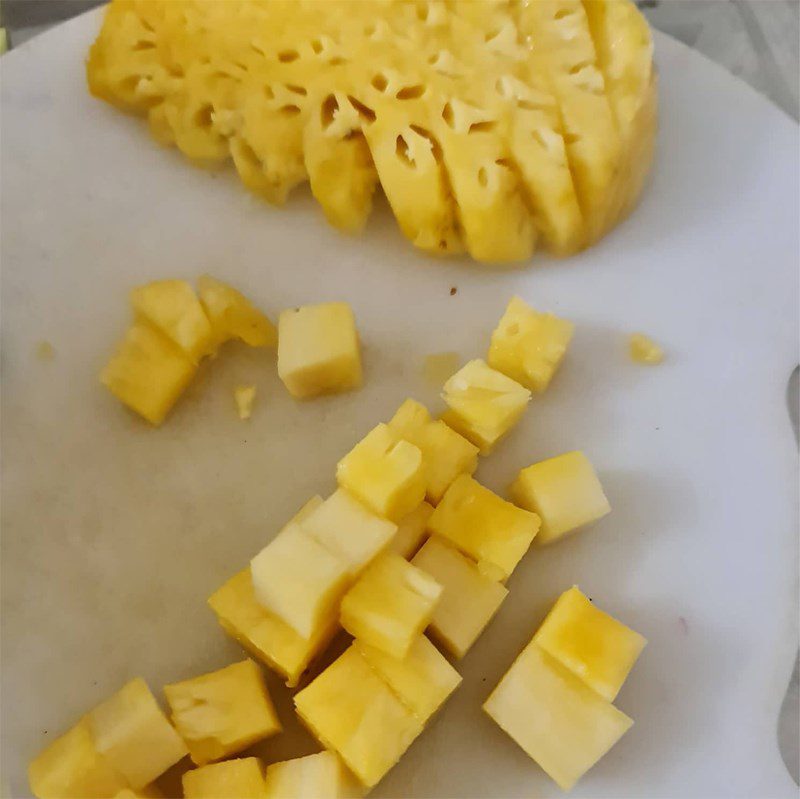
[132, 733]
[318, 350]
[564, 491]
[529, 346]
[384, 473]
[469, 599]
[233, 779]
[352, 711]
[490, 530]
[390, 604]
[148, 373]
[643, 349]
[148, 792]
[423, 679]
[222, 712]
[559, 721]
[445, 453]
[483, 404]
[411, 531]
[319, 776]
[244, 397]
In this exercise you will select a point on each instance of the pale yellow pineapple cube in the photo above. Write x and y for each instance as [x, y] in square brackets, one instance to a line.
[594, 646]
[557, 720]
[319, 776]
[390, 604]
[493, 532]
[384, 473]
[643, 349]
[318, 350]
[233, 779]
[148, 373]
[469, 599]
[411, 531]
[445, 453]
[132, 733]
[483, 404]
[222, 712]
[529, 346]
[564, 491]
[423, 679]
[354, 712]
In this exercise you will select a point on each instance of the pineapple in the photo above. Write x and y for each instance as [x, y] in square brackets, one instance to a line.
[390, 604]
[220, 713]
[244, 397]
[319, 776]
[234, 779]
[483, 404]
[411, 531]
[318, 350]
[148, 792]
[564, 491]
[643, 349]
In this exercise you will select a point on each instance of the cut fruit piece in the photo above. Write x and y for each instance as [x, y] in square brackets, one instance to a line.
[319, 776]
[148, 792]
[484, 404]
[244, 397]
[493, 532]
[643, 349]
[223, 712]
[411, 531]
[234, 779]
[560, 722]
[469, 600]
[564, 491]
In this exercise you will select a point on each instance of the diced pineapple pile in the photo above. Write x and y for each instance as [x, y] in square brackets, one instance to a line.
[489, 125]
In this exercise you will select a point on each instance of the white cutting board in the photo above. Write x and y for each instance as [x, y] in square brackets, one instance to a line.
[114, 534]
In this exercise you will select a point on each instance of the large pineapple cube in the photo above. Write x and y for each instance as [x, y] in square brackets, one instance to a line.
[318, 350]
[564, 491]
[469, 599]
[490, 530]
[390, 604]
[445, 453]
[483, 404]
[423, 679]
[132, 733]
[148, 373]
[384, 473]
[352, 711]
[411, 531]
[591, 644]
[529, 346]
[559, 721]
[234, 779]
[319, 776]
[220, 713]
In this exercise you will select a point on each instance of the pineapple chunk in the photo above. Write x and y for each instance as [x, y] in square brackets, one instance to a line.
[148, 373]
[445, 453]
[353, 712]
[557, 720]
[244, 397]
[384, 473]
[318, 350]
[528, 346]
[234, 779]
[594, 646]
[148, 792]
[469, 600]
[423, 679]
[132, 733]
[490, 530]
[220, 713]
[564, 491]
[643, 349]
[411, 531]
[319, 776]
[483, 404]
[390, 604]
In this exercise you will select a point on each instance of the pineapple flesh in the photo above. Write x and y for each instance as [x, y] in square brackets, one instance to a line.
[233, 779]
[319, 776]
[411, 531]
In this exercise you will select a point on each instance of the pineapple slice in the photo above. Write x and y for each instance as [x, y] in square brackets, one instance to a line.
[220, 713]
[564, 491]
[643, 349]
[390, 604]
[490, 530]
[483, 404]
[469, 600]
[234, 779]
[528, 346]
[319, 776]
[411, 531]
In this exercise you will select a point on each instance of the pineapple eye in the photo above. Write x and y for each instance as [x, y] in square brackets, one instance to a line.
[402, 151]
[447, 115]
[482, 127]
[379, 82]
[483, 178]
[289, 110]
[364, 111]
[296, 89]
[287, 56]
[328, 111]
[410, 92]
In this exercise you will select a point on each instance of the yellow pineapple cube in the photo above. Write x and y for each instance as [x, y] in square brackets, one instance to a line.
[564, 491]
[411, 531]
[643, 349]
[529, 346]
[558, 721]
[148, 373]
[132, 733]
[318, 350]
[423, 679]
[148, 792]
[319, 776]
[390, 604]
[354, 712]
[445, 453]
[594, 646]
[493, 532]
[483, 404]
[384, 473]
[469, 599]
[222, 712]
[233, 779]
